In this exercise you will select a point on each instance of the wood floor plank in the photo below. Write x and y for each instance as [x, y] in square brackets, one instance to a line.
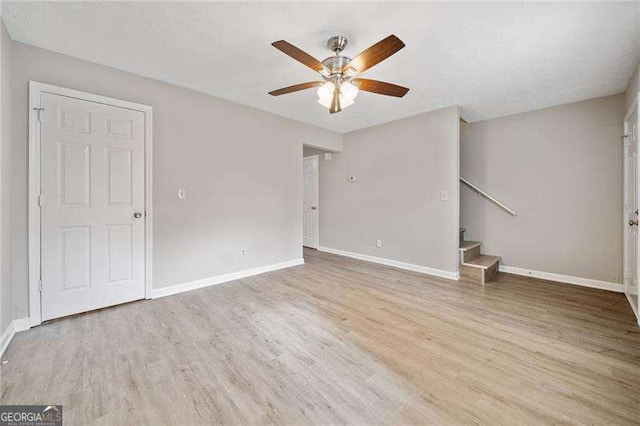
[340, 341]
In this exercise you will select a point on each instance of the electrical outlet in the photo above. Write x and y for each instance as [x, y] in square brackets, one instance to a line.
[444, 196]
[243, 252]
[378, 243]
[327, 156]
[616, 278]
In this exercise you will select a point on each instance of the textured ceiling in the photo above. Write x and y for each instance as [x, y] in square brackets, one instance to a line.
[490, 59]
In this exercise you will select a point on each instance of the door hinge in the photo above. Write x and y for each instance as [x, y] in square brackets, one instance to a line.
[40, 284]
[41, 200]
[39, 111]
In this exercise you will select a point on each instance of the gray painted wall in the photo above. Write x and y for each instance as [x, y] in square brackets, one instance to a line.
[634, 87]
[6, 294]
[240, 166]
[228, 167]
[401, 169]
[560, 169]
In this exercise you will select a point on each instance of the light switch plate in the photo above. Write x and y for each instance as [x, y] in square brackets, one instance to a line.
[182, 194]
[327, 156]
[444, 196]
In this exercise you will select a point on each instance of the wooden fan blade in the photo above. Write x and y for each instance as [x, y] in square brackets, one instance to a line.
[375, 54]
[298, 54]
[380, 87]
[335, 103]
[295, 88]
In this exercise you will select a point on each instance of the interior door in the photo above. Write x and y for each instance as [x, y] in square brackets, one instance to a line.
[631, 208]
[310, 202]
[92, 205]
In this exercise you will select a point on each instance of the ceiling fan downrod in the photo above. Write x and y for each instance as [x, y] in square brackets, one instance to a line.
[334, 65]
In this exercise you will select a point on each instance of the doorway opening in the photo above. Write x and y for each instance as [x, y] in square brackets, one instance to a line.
[312, 160]
[310, 216]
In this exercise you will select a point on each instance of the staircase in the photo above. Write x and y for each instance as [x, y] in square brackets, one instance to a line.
[476, 267]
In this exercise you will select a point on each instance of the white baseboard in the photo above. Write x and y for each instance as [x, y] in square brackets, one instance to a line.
[206, 282]
[567, 279]
[397, 264]
[22, 324]
[633, 308]
[14, 327]
[6, 337]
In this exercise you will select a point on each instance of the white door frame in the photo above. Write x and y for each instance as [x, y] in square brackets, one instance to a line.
[316, 158]
[35, 91]
[625, 225]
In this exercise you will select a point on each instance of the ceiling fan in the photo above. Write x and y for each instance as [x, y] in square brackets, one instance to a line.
[339, 87]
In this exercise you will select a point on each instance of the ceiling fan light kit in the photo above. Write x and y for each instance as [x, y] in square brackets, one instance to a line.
[340, 87]
[347, 94]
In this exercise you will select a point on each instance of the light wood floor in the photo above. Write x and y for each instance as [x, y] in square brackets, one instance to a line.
[340, 341]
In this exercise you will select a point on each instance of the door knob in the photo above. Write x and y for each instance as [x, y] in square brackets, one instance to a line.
[137, 215]
[633, 223]
[313, 207]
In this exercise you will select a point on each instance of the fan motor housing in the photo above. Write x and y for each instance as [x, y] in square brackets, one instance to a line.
[335, 64]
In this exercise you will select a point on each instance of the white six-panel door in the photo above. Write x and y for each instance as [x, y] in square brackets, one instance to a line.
[92, 214]
[310, 202]
[631, 204]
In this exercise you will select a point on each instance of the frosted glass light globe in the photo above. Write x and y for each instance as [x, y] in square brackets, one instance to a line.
[349, 91]
[326, 91]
